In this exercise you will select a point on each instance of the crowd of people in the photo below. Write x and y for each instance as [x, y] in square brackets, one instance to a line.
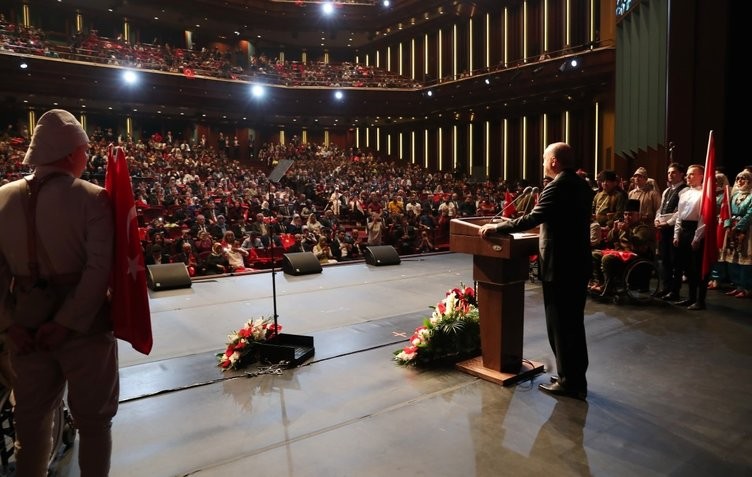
[209, 62]
[334, 202]
[641, 222]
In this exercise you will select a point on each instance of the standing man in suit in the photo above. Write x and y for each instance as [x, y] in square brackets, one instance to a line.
[55, 263]
[563, 213]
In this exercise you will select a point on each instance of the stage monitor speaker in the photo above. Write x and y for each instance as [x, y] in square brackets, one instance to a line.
[382, 255]
[167, 276]
[300, 263]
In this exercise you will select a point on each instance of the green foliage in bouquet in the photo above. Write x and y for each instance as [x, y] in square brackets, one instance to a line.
[451, 332]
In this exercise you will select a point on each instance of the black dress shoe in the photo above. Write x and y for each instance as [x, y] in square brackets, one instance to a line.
[661, 293]
[554, 379]
[557, 389]
[696, 306]
[682, 303]
[670, 296]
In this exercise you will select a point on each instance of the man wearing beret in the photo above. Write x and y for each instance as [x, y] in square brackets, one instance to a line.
[563, 212]
[55, 260]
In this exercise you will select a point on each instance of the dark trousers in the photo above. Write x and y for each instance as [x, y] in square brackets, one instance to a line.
[667, 252]
[564, 304]
[689, 261]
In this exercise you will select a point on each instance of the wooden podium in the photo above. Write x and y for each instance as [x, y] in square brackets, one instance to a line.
[501, 266]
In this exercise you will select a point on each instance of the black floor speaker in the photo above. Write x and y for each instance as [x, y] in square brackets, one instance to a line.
[300, 263]
[382, 255]
[167, 276]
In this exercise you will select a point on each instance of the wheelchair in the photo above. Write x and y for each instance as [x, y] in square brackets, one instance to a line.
[638, 283]
[63, 435]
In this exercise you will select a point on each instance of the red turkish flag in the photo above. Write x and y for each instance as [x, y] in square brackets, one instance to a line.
[707, 210]
[131, 317]
[188, 73]
[509, 210]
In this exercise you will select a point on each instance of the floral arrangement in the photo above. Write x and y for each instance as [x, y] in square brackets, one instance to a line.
[240, 343]
[451, 332]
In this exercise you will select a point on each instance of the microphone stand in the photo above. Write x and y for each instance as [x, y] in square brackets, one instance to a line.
[283, 348]
[274, 279]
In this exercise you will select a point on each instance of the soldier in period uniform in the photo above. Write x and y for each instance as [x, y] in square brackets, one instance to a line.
[56, 254]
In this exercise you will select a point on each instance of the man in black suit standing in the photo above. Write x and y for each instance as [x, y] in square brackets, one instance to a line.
[563, 213]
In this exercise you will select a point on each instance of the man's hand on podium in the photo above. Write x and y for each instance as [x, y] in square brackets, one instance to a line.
[491, 227]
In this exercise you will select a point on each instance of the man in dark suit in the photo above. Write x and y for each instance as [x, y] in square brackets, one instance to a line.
[563, 213]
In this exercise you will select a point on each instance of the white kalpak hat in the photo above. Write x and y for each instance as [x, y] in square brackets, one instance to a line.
[57, 134]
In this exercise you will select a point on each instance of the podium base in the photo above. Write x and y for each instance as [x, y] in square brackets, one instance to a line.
[475, 367]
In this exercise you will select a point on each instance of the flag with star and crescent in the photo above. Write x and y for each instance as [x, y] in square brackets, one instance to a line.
[131, 317]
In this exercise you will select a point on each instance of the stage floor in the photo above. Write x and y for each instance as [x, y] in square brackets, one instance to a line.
[669, 389]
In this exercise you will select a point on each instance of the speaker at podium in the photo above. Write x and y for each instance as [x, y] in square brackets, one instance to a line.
[381, 255]
[167, 276]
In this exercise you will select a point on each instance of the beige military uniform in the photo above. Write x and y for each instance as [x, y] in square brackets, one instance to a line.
[74, 228]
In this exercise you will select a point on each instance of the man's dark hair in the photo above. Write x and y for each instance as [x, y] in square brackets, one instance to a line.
[678, 167]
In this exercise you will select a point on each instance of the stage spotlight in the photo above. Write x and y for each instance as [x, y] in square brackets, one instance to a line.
[257, 91]
[130, 77]
[386, 3]
[327, 8]
[487, 80]
[338, 95]
[429, 93]
[23, 65]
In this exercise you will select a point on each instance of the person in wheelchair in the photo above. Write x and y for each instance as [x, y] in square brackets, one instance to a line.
[633, 240]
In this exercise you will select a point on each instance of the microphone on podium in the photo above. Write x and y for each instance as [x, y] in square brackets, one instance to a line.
[531, 200]
[515, 202]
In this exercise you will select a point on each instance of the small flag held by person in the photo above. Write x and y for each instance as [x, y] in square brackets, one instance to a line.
[131, 317]
[723, 215]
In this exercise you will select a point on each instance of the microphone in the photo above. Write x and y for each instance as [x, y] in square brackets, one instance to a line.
[532, 199]
[527, 191]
